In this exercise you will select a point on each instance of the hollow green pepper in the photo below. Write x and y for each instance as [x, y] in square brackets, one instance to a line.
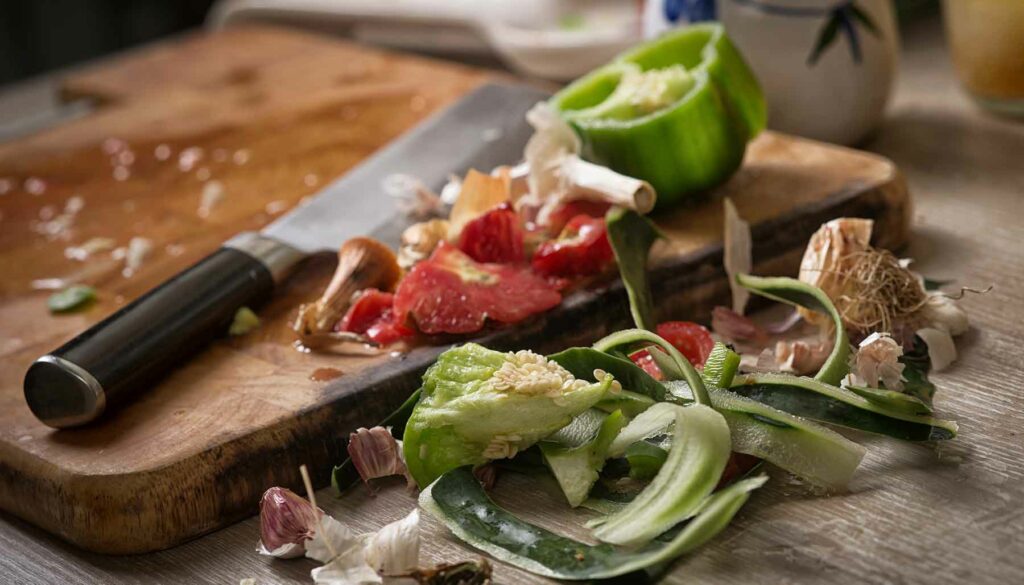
[677, 112]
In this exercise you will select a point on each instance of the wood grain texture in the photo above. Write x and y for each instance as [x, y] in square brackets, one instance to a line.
[915, 514]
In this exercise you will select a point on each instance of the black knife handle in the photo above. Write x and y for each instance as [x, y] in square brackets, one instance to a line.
[130, 349]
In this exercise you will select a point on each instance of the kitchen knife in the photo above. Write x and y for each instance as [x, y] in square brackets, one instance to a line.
[126, 352]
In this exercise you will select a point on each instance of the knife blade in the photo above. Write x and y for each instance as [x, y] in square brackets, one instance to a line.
[128, 351]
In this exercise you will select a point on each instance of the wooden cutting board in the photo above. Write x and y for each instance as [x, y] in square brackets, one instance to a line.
[267, 116]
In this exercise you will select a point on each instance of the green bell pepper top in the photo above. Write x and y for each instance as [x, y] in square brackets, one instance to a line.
[677, 112]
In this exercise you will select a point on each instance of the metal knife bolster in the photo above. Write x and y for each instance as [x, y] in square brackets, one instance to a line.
[136, 345]
[277, 257]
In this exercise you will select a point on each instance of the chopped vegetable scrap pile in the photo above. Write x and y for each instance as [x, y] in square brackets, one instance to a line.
[661, 431]
[516, 239]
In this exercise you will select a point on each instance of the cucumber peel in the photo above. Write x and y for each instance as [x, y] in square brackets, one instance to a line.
[801, 294]
[458, 501]
[678, 366]
[576, 466]
[809, 398]
[700, 450]
[721, 366]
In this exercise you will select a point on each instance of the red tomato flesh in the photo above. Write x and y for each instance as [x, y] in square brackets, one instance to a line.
[582, 249]
[691, 339]
[645, 360]
[496, 236]
[451, 293]
[372, 315]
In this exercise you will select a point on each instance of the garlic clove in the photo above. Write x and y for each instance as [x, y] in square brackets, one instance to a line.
[376, 453]
[287, 522]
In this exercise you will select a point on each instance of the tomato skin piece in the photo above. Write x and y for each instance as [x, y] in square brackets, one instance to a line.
[496, 236]
[582, 249]
[451, 293]
[691, 339]
[372, 315]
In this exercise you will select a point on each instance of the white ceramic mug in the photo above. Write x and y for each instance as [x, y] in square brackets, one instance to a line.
[827, 66]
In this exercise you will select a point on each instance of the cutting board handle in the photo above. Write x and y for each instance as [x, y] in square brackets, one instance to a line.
[123, 354]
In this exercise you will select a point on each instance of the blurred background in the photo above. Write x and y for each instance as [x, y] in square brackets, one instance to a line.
[814, 57]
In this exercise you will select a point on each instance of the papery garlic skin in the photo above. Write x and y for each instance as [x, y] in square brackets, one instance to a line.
[942, 312]
[877, 362]
[395, 548]
[941, 349]
[287, 522]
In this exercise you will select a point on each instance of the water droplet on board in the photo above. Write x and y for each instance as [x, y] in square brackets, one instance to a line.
[121, 173]
[125, 158]
[418, 103]
[113, 145]
[5, 186]
[203, 174]
[311, 180]
[241, 156]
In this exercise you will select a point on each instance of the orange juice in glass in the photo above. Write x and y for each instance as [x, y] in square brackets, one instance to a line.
[986, 40]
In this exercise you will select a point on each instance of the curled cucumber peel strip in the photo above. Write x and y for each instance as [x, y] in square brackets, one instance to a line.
[808, 450]
[458, 501]
[812, 399]
[800, 294]
[700, 450]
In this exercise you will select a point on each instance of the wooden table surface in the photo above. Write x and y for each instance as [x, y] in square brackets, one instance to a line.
[914, 514]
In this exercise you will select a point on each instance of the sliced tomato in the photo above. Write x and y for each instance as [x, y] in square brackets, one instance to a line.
[496, 236]
[581, 249]
[645, 360]
[372, 315]
[691, 339]
[451, 293]
[369, 306]
[570, 209]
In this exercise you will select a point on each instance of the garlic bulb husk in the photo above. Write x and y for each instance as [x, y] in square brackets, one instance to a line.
[828, 257]
[942, 312]
[287, 522]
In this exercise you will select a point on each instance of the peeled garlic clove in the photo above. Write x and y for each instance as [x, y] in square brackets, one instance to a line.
[287, 521]
[941, 349]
